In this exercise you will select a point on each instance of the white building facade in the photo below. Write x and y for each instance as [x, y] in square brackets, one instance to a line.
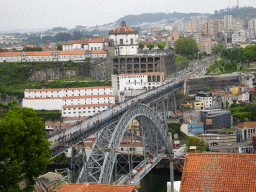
[138, 81]
[125, 40]
[86, 44]
[205, 97]
[73, 102]
[239, 37]
[51, 56]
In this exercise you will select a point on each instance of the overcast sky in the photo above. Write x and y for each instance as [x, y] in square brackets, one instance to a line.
[24, 14]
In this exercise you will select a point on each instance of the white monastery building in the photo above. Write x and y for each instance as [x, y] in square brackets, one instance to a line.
[86, 44]
[73, 102]
[125, 40]
[79, 55]
[137, 81]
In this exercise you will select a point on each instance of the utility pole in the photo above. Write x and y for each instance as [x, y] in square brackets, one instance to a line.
[171, 175]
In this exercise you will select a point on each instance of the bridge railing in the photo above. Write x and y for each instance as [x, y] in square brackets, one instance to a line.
[107, 112]
[90, 128]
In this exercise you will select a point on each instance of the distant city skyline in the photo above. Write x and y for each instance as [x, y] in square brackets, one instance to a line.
[32, 14]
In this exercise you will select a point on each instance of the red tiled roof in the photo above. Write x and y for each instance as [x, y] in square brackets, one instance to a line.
[249, 124]
[38, 53]
[87, 96]
[123, 29]
[148, 73]
[85, 41]
[92, 187]
[98, 40]
[10, 54]
[219, 172]
[98, 52]
[88, 105]
[78, 52]
[77, 88]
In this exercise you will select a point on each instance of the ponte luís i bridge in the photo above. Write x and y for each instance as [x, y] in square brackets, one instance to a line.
[101, 164]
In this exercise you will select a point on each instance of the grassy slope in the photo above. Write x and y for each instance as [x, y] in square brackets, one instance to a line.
[14, 77]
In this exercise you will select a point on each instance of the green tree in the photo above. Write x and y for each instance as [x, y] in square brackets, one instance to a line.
[141, 45]
[218, 48]
[208, 88]
[59, 46]
[186, 46]
[237, 55]
[24, 150]
[150, 46]
[250, 53]
[199, 143]
[227, 104]
[161, 45]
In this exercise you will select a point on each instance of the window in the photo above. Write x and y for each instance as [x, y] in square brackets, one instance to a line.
[121, 41]
[91, 48]
[131, 41]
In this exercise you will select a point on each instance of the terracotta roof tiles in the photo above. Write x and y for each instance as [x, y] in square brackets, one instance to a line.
[92, 187]
[78, 52]
[38, 53]
[219, 172]
[249, 124]
[123, 29]
[10, 54]
[77, 88]
[98, 52]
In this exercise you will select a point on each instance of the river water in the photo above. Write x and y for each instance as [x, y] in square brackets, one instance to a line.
[155, 181]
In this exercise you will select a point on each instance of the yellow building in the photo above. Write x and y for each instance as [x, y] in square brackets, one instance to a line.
[234, 90]
[198, 105]
[134, 127]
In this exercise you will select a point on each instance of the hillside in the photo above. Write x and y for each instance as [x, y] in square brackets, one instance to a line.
[243, 13]
[154, 17]
[16, 77]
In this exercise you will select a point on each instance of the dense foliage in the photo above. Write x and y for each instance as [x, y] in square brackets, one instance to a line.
[161, 45]
[186, 46]
[175, 128]
[14, 77]
[24, 150]
[180, 59]
[232, 60]
[242, 112]
[28, 49]
[141, 45]
[49, 114]
[150, 46]
[199, 143]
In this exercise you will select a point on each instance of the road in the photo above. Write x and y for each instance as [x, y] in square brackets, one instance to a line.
[241, 144]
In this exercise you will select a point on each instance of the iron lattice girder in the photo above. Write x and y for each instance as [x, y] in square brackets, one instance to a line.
[76, 139]
[152, 124]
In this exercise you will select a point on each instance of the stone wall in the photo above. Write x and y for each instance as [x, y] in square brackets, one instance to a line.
[57, 72]
[215, 82]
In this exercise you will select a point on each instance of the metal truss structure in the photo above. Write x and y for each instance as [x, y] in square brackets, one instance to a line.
[100, 164]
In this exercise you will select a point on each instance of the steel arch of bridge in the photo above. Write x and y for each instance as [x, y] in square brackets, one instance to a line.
[98, 167]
